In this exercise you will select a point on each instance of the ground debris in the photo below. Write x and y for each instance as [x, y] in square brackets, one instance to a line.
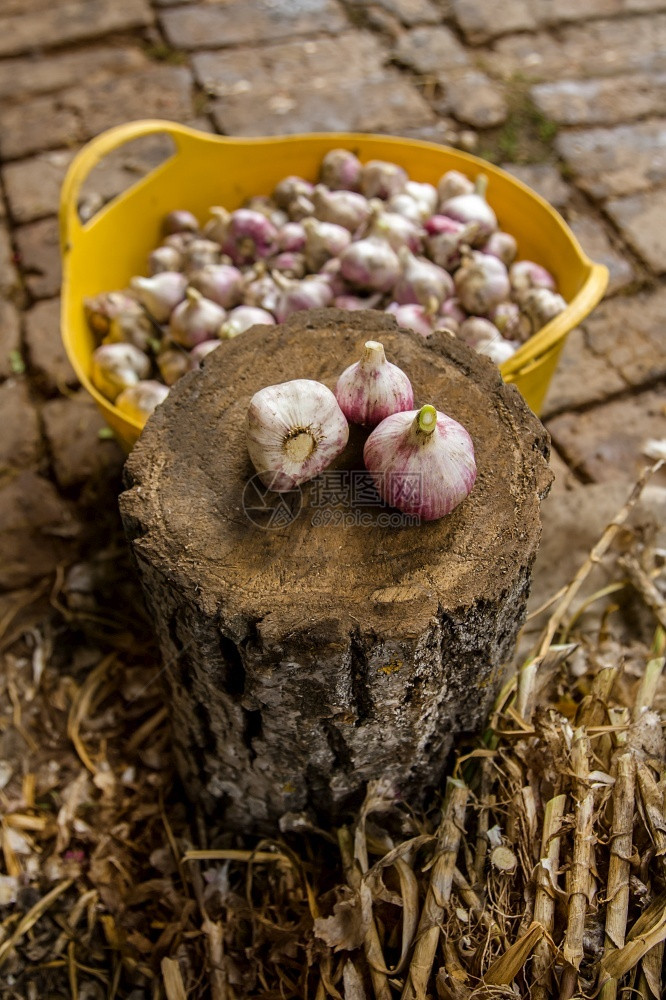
[539, 869]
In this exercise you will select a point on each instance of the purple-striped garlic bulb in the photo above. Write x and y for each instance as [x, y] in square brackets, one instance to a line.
[421, 281]
[473, 207]
[422, 462]
[139, 401]
[415, 317]
[294, 431]
[371, 263]
[373, 388]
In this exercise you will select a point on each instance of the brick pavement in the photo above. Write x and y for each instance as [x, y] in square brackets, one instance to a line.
[569, 96]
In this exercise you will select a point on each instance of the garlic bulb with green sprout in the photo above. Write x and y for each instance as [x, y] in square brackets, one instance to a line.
[373, 388]
[115, 367]
[139, 401]
[422, 462]
[294, 431]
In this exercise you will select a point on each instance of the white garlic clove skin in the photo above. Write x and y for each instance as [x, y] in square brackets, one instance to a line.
[161, 293]
[372, 389]
[294, 431]
[139, 401]
[422, 462]
[115, 367]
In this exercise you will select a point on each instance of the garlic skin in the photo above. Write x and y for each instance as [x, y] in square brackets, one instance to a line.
[341, 170]
[372, 389]
[294, 431]
[422, 462]
[371, 263]
[380, 179]
[482, 282]
[160, 294]
[180, 221]
[115, 367]
[344, 208]
[473, 207]
[139, 401]
[453, 183]
[241, 319]
[195, 320]
[421, 282]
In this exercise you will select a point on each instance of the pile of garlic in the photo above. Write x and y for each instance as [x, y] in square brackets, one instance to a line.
[364, 237]
[421, 461]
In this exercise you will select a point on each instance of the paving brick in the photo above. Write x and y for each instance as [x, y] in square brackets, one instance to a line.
[473, 99]
[603, 101]
[77, 114]
[605, 443]
[581, 377]
[37, 74]
[248, 22]
[480, 20]
[616, 161]
[407, 12]
[10, 337]
[430, 51]
[79, 456]
[603, 48]
[328, 84]
[60, 24]
[39, 257]
[629, 332]
[48, 362]
[640, 218]
[595, 241]
[33, 185]
[20, 441]
[38, 529]
[544, 178]
[10, 283]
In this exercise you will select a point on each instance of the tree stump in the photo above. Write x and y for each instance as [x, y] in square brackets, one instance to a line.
[303, 660]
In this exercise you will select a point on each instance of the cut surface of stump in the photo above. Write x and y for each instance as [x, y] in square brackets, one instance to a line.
[313, 645]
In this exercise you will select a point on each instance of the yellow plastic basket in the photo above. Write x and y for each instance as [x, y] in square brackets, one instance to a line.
[102, 254]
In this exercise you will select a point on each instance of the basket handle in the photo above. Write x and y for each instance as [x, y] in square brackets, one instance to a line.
[95, 151]
[580, 306]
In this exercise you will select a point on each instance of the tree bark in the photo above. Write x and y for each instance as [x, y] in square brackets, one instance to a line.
[303, 660]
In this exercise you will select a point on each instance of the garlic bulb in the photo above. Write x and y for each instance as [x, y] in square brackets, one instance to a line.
[180, 221]
[473, 207]
[371, 263]
[482, 282]
[196, 319]
[115, 367]
[294, 431]
[453, 183]
[344, 208]
[381, 179]
[422, 462]
[341, 170]
[241, 319]
[161, 293]
[373, 388]
[139, 401]
[421, 281]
